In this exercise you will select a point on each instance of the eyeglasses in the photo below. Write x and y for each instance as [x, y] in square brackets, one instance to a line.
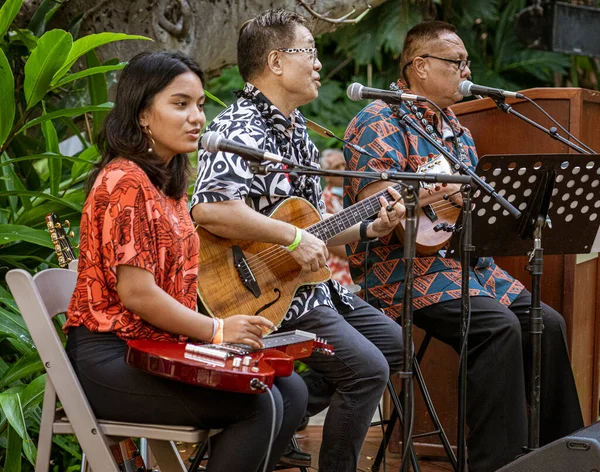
[462, 64]
[312, 51]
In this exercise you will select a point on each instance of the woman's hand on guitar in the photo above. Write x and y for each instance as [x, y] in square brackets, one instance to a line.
[387, 220]
[244, 329]
[311, 253]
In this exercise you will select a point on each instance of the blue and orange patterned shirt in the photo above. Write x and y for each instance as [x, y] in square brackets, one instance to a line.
[401, 149]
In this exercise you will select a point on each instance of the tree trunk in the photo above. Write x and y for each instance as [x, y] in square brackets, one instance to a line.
[204, 29]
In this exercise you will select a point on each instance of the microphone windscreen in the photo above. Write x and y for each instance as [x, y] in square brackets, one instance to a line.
[354, 92]
[210, 141]
[464, 88]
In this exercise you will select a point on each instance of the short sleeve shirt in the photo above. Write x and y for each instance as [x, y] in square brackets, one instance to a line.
[252, 120]
[126, 220]
[436, 278]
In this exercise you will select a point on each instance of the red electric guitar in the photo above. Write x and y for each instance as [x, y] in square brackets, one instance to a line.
[229, 367]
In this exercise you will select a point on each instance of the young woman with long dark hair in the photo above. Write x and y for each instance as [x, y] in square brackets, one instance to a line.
[138, 270]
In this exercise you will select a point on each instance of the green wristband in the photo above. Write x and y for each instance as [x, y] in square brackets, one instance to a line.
[296, 241]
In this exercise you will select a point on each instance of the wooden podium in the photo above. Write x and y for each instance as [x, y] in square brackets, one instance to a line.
[570, 284]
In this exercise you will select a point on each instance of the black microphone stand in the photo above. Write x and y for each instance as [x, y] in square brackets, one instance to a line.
[536, 269]
[410, 198]
[466, 250]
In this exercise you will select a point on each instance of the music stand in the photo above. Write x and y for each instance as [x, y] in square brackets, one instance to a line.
[560, 191]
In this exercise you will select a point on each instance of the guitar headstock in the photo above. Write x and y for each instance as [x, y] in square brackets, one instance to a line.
[321, 346]
[60, 239]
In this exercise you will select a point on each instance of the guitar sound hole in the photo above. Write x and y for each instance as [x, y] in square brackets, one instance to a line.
[277, 293]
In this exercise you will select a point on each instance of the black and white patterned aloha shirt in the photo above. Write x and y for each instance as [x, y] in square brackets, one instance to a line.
[254, 121]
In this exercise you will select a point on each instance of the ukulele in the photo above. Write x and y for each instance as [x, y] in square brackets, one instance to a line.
[434, 218]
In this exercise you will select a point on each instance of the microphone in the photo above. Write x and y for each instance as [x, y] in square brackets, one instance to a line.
[214, 142]
[357, 92]
[468, 88]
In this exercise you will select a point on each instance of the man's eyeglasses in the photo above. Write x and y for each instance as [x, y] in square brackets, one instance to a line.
[312, 51]
[462, 64]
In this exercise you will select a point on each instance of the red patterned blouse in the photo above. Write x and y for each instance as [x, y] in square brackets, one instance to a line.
[126, 220]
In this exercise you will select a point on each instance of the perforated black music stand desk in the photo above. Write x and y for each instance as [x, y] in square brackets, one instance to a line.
[558, 194]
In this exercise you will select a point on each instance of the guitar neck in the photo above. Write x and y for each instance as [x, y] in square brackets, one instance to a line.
[348, 217]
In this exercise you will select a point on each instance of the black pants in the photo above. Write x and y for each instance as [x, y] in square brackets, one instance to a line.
[117, 391]
[498, 372]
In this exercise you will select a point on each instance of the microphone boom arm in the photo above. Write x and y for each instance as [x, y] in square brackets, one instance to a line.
[506, 108]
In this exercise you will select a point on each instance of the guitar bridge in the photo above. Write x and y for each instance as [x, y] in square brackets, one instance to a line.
[245, 272]
[430, 213]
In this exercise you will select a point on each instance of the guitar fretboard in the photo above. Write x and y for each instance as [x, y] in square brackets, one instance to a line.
[341, 221]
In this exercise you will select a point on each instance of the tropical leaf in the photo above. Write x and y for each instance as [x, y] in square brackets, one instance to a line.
[54, 165]
[66, 112]
[7, 300]
[11, 406]
[215, 98]
[33, 394]
[88, 72]
[90, 42]
[7, 14]
[7, 92]
[14, 446]
[24, 367]
[49, 55]
[85, 162]
[98, 92]
[25, 37]
[42, 16]
[11, 233]
[12, 182]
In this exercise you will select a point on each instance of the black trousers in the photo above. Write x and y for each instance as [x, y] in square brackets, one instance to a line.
[498, 372]
[119, 392]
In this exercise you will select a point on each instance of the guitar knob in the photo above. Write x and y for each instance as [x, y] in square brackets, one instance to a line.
[247, 360]
[440, 227]
[237, 362]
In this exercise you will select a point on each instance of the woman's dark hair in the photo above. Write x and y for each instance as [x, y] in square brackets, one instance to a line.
[122, 135]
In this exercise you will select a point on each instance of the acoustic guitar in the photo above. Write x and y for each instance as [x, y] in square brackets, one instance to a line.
[256, 278]
[229, 367]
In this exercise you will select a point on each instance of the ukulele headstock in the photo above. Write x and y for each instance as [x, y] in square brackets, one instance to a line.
[59, 234]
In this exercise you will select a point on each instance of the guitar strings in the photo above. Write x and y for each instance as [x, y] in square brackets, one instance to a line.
[275, 252]
[280, 256]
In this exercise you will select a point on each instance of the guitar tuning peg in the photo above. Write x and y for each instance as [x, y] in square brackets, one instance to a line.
[67, 223]
[77, 246]
[71, 234]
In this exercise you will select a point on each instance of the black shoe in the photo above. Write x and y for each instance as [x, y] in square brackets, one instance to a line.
[295, 457]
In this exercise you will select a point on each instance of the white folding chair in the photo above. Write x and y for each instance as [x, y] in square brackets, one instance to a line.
[39, 299]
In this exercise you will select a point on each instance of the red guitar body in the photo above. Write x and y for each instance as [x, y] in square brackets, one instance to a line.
[232, 368]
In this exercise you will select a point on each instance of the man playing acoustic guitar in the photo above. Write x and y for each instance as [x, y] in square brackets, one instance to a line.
[434, 62]
[278, 59]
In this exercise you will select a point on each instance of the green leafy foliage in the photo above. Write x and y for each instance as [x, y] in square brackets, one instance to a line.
[7, 92]
[38, 113]
[45, 60]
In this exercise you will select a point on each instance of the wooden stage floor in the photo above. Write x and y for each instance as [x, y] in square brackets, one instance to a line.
[310, 441]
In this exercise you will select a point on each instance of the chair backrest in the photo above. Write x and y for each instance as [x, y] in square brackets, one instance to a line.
[40, 298]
